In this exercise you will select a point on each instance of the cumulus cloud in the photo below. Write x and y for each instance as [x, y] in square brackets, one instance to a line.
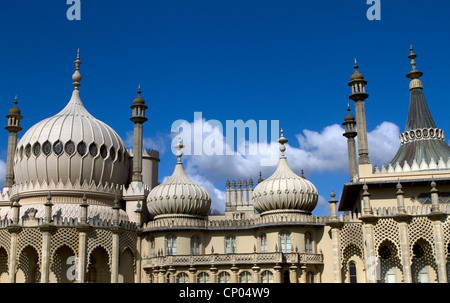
[158, 143]
[212, 158]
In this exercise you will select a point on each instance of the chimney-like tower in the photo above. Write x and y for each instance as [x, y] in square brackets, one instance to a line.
[358, 95]
[350, 134]
[138, 118]
[13, 127]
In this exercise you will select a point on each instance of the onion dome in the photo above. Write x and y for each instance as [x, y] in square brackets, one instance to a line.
[15, 110]
[349, 117]
[139, 100]
[71, 147]
[178, 196]
[356, 75]
[284, 191]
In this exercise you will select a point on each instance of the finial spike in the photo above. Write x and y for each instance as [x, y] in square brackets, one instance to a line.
[76, 77]
[282, 140]
[179, 146]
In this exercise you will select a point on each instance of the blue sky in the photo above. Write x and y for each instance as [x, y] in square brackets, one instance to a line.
[288, 61]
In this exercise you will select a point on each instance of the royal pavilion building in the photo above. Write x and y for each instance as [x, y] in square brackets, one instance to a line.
[77, 206]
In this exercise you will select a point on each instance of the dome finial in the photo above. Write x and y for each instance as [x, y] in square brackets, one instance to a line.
[414, 74]
[282, 140]
[76, 77]
[179, 146]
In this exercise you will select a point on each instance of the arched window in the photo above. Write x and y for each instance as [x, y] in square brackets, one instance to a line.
[285, 242]
[171, 245]
[263, 242]
[203, 278]
[308, 242]
[182, 278]
[352, 272]
[267, 276]
[245, 277]
[230, 244]
[224, 277]
[195, 245]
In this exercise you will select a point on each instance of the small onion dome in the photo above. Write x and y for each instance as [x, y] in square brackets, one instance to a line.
[349, 116]
[139, 100]
[15, 110]
[356, 75]
[284, 191]
[178, 196]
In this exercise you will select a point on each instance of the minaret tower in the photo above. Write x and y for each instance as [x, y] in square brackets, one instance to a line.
[13, 127]
[350, 134]
[138, 118]
[358, 95]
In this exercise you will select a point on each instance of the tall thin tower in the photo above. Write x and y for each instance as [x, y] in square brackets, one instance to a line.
[13, 127]
[358, 95]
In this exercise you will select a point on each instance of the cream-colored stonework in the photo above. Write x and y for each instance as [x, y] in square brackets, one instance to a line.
[91, 215]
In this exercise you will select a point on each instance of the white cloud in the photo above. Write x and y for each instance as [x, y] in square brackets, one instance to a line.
[159, 143]
[318, 152]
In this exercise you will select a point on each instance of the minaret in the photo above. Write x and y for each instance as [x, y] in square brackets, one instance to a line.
[350, 134]
[138, 118]
[13, 127]
[358, 95]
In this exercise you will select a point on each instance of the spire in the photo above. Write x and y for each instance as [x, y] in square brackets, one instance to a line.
[76, 77]
[282, 140]
[421, 140]
[179, 146]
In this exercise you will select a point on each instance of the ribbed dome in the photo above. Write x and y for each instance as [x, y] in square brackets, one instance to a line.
[284, 191]
[71, 146]
[178, 196]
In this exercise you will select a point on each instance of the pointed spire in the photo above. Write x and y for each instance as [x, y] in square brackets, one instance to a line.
[76, 77]
[260, 178]
[139, 100]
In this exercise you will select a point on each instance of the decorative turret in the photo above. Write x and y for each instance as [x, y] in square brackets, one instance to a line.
[179, 197]
[350, 134]
[284, 191]
[422, 140]
[358, 95]
[138, 118]
[13, 127]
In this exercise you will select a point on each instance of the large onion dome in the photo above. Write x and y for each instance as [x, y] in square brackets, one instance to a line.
[178, 196]
[284, 191]
[72, 147]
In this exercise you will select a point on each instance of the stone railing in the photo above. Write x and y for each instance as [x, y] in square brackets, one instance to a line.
[233, 259]
[275, 219]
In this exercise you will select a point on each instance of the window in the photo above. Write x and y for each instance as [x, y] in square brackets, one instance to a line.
[103, 151]
[230, 244]
[81, 148]
[285, 242]
[70, 148]
[36, 149]
[267, 277]
[308, 243]
[93, 150]
[58, 148]
[245, 277]
[152, 247]
[390, 275]
[224, 277]
[47, 148]
[203, 278]
[182, 278]
[112, 153]
[195, 245]
[171, 245]
[263, 242]
[423, 275]
[352, 272]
